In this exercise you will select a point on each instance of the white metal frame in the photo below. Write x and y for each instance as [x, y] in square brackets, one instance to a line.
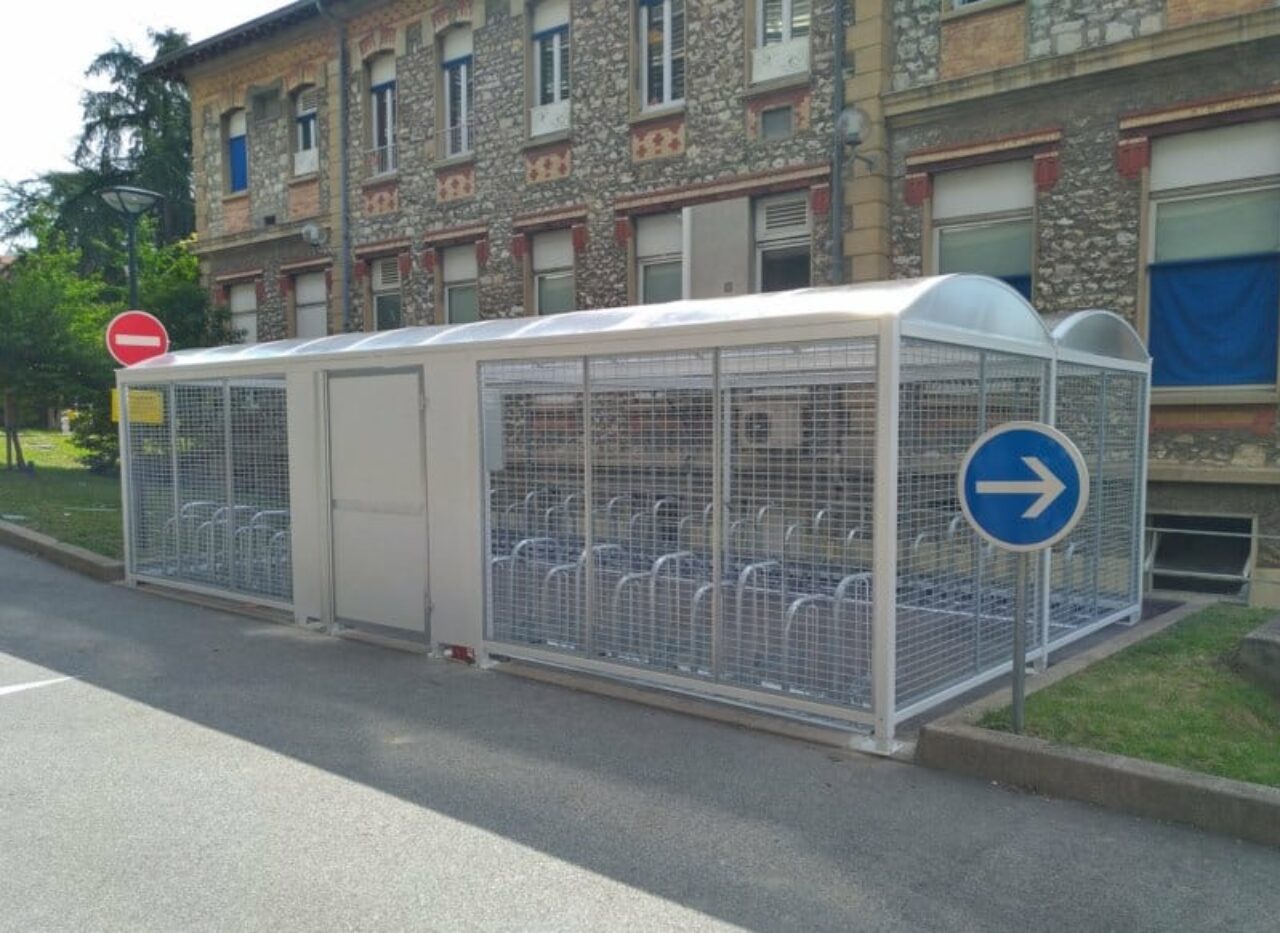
[447, 360]
[668, 93]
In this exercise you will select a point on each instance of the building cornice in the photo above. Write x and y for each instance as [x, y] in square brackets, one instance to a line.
[901, 106]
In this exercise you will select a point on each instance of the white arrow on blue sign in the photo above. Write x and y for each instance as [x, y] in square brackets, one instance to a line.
[1023, 486]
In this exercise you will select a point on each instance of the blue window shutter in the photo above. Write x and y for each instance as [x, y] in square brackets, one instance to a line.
[1213, 322]
[239, 161]
[1022, 283]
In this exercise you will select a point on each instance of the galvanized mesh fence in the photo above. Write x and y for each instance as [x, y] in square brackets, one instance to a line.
[208, 473]
[709, 514]
[712, 522]
[955, 598]
[1095, 571]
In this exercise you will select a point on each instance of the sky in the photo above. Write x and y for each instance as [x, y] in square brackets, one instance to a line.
[46, 46]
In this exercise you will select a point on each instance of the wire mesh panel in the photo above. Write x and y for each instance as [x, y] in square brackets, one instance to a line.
[628, 526]
[652, 493]
[148, 454]
[1095, 568]
[536, 512]
[259, 518]
[209, 485]
[955, 592]
[800, 438]
[1119, 576]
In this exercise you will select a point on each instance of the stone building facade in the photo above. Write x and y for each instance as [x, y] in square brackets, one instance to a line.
[741, 127]
[1087, 122]
[1021, 138]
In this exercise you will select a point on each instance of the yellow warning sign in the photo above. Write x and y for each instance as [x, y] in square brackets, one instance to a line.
[146, 406]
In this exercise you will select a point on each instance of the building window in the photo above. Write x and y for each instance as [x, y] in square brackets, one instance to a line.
[237, 152]
[662, 51]
[459, 273]
[244, 311]
[306, 153]
[982, 219]
[311, 305]
[775, 123]
[382, 109]
[458, 81]
[550, 67]
[386, 293]
[659, 266]
[781, 39]
[782, 20]
[1214, 262]
[553, 289]
[783, 242]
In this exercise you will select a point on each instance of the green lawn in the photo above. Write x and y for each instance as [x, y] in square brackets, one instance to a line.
[62, 499]
[1172, 699]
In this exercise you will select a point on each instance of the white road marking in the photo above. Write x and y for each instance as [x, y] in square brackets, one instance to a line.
[136, 340]
[18, 688]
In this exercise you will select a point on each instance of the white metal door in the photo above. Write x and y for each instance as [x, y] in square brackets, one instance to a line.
[378, 499]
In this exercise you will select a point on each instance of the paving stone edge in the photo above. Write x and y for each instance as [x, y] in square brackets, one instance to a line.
[1143, 788]
[70, 556]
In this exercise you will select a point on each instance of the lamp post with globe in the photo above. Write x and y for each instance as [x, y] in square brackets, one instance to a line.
[132, 203]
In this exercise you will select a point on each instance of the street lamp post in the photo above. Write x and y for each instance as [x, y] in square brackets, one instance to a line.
[132, 203]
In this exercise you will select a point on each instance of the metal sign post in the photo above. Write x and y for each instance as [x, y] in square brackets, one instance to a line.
[1023, 486]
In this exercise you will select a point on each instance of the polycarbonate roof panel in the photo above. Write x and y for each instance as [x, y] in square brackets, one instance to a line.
[957, 303]
[1102, 333]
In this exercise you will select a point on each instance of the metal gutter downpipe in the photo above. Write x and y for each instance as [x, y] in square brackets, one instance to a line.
[837, 144]
[344, 155]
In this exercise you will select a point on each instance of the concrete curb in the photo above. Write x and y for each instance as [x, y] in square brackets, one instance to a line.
[69, 556]
[1247, 811]
[1144, 788]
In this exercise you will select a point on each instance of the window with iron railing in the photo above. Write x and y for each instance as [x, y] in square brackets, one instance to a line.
[382, 106]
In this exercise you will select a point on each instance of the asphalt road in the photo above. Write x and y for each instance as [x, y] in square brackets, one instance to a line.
[204, 771]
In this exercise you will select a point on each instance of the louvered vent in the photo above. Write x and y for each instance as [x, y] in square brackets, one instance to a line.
[790, 214]
[386, 273]
[308, 100]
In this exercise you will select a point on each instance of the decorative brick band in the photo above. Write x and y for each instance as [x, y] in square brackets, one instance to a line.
[382, 248]
[768, 182]
[447, 236]
[306, 265]
[238, 277]
[942, 158]
[1206, 112]
[546, 220]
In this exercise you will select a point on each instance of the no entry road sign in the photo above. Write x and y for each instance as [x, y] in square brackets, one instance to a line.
[1023, 486]
[134, 336]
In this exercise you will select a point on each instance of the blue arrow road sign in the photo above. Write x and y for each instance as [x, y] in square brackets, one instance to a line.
[1023, 486]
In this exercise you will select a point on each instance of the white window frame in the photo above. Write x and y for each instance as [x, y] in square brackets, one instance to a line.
[975, 221]
[306, 158]
[450, 280]
[765, 243]
[463, 126]
[668, 98]
[1239, 393]
[239, 314]
[378, 288]
[383, 111]
[559, 39]
[788, 23]
[298, 306]
[674, 253]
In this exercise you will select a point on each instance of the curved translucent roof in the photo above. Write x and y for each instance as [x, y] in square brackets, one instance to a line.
[956, 303]
[1102, 333]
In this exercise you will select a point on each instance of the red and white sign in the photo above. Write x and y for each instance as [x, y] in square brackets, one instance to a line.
[134, 336]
